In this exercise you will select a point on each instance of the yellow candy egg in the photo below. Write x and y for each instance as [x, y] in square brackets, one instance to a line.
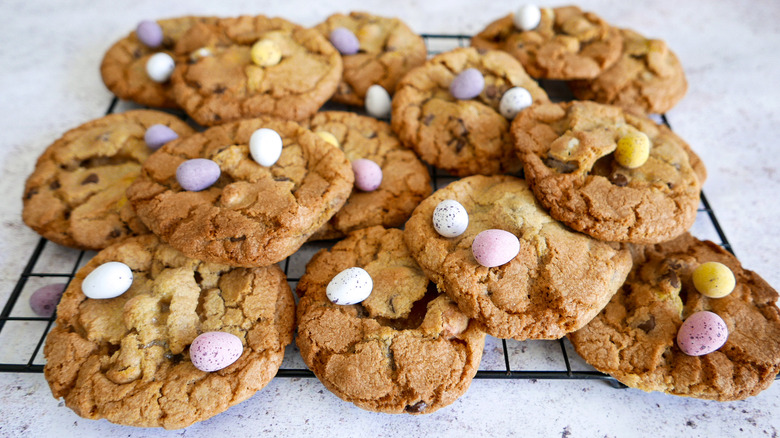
[266, 53]
[714, 280]
[633, 150]
[330, 138]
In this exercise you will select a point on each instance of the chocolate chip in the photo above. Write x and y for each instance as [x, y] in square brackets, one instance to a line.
[458, 144]
[428, 119]
[198, 277]
[114, 234]
[647, 325]
[416, 408]
[462, 130]
[491, 91]
[672, 278]
[92, 178]
[561, 166]
[54, 185]
[137, 53]
[619, 179]
[31, 193]
[220, 89]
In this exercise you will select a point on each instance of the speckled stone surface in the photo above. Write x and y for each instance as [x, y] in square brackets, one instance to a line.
[50, 69]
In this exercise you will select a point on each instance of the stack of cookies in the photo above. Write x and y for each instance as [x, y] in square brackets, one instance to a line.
[563, 218]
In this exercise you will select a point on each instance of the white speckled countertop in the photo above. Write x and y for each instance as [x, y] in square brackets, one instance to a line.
[49, 70]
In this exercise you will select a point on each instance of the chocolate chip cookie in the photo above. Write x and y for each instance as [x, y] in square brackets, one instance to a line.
[633, 338]
[253, 215]
[76, 195]
[405, 349]
[463, 137]
[558, 281]
[568, 153]
[127, 359]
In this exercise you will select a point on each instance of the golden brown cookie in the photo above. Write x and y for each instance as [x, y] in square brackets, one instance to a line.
[127, 359]
[567, 44]
[558, 281]
[648, 77]
[388, 50]
[406, 348]
[405, 179]
[123, 67]
[633, 338]
[227, 85]
[568, 155]
[76, 194]
[463, 137]
[253, 215]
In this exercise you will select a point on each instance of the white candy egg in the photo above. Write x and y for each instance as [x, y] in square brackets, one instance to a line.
[108, 280]
[159, 67]
[513, 101]
[378, 102]
[450, 218]
[265, 146]
[350, 286]
[527, 17]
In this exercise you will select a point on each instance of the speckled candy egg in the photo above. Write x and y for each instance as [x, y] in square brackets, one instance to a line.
[450, 218]
[368, 174]
[265, 53]
[149, 33]
[350, 286]
[265, 146]
[158, 135]
[212, 351]
[378, 103]
[197, 174]
[159, 67]
[702, 333]
[44, 300]
[344, 41]
[468, 84]
[527, 17]
[513, 101]
[713, 279]
[108, 280]
[633, 150]
[493, 248]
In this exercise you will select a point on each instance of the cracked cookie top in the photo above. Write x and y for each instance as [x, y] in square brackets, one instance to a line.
[463, 137]
[568, 155]
[558, 281]
[405, 349]
[388, 49]
[76, 194]
[567, 44]
[405, 179]
[226, 85]
[633, 338]
[127, 359]
[252, 215]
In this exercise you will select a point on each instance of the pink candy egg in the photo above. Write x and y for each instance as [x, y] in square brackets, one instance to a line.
[212, 351]
[150, 33]
[368, 174]
[197, 174]
[44, 300]
[344, 41]
[468, 84]
[495, 247]
[702, 333]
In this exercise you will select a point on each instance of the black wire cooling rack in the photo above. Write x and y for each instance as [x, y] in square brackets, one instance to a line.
[23, 334]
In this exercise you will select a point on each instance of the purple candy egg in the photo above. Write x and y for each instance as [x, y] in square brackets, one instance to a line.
[197, 174]
[368, 174]
[158, 135]
[345, 41]
[150, 33]
[212, 351]
[468, 84]
[494, 247]
[702, 333]
[44, 300]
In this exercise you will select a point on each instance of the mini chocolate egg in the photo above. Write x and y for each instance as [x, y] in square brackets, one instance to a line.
[350, 286]
[378, 103]
[702, 333]
[158, 135]
[330, 138]
[203, 52]
[368, 174]
[494, 247]
[149, 33]
[44, 300]
[513, 101]
[344, 41]
[109, 280]
[713, 279]
[527, 17]
[197, 174]
[450, 218]
[468, 84]
[213, 351]
[633, 150]
[265, 146]
[159, 67]
[265, 53]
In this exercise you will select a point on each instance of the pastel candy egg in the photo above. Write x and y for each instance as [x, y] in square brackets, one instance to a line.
[350, 286]
[109, 280]
[513, 101]
[633, 150]
[468, 84]
[378, 103]
[330, 138]
[450, 218]
[44, 300]
[527, 17]
[493, 248]
[368, 174]
[149, 33]
[158, 135]
[344, 41]
[702, 333]
[713, 279]
[159, 67]
[212, 351]
[199, 54]
[265, 53]
[197, 174]
[265, 146]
